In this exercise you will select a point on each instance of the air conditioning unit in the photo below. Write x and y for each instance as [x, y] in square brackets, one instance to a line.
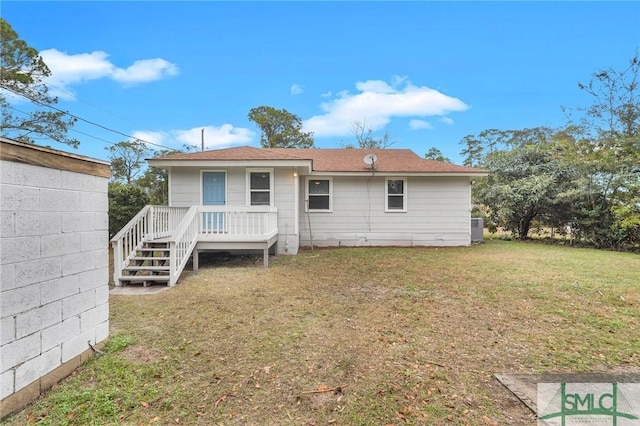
[477, 228]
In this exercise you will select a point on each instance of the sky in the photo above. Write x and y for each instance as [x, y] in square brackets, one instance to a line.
[426, 73]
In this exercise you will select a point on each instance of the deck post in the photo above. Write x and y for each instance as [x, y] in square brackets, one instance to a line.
[117, 262]
[196, 259]
[172, 264]
[266, 256]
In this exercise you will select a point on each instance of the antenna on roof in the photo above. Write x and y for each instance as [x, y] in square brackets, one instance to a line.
[370, 160]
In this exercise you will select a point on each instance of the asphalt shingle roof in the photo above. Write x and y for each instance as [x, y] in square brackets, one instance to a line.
[332, 160]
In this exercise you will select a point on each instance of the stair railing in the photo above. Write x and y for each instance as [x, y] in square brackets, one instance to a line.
[181, 244]
[151, 222]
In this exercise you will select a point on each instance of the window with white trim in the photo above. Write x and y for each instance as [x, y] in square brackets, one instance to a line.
[396, 195]
[260, 187]
[319, 194]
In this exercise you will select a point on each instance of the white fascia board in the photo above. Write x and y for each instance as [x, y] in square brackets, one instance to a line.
[400, 173]
[165, 164]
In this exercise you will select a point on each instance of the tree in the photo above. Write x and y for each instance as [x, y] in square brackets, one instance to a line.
[435, 154]
[365, 140]
[127, 160]
[524, 184]
[529, 180]
[586, 174]
[280, 128]
[473, 152]
[155, 181]
[125, 201]
[605, 147]
[23, 73]
[133, 185]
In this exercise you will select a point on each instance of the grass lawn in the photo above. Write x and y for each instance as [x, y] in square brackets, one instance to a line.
[367, 336]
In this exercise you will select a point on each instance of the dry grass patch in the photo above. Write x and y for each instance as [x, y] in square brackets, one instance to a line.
[368, 336]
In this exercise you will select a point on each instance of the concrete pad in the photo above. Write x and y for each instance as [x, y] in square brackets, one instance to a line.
[525, 386]
[138, 290]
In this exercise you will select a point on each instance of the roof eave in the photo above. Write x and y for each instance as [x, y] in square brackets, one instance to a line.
[400, 173]
[228, 163]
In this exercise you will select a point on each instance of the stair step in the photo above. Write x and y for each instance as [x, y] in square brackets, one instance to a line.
[139, 278]
[146, 268]
[151, 250]
[150, 258]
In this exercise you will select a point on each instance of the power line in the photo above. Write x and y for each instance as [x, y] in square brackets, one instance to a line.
[78, 117]
[75, 96]
[71, 129]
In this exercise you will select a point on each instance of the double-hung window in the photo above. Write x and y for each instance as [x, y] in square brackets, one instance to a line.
[319, 194]
[396, 195]
[260, 187]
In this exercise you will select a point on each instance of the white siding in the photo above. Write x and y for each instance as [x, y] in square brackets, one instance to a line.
[438, 214]
[284, 197]
[184, 189]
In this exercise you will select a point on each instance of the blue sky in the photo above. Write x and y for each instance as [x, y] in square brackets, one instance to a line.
[429, 73]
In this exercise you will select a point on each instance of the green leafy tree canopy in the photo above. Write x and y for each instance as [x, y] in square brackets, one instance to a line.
[127, 160]
[435, 154]
[23, 73]
[280, 128]
[125, 201]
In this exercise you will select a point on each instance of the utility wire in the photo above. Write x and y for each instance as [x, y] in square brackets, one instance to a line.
[76, 97]
[78, 117]
[71, 129]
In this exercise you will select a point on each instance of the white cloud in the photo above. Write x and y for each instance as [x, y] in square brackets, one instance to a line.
[156, 138]
[145, 70]
[214, 136]
[446, 120]
[67, 70]
[297, 89]
[377, 102]
[419, 124]
[377, 86]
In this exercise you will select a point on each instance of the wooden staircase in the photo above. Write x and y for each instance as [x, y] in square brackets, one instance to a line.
[150, 265]
[157, 236]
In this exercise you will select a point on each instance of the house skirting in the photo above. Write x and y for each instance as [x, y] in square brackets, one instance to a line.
[25, 396]
[389, 239]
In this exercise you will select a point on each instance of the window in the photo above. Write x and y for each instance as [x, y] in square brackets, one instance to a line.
[396, 195]
[260, 187]
[319, 194]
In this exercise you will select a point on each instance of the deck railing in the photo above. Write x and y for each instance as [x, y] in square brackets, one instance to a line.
[183, 227]
[181, 244]
[218, 223]
[233, 221]
[166, 219]
[151, 222]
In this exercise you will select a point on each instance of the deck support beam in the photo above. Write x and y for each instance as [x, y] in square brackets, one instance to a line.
[196, 259]
[266, 256]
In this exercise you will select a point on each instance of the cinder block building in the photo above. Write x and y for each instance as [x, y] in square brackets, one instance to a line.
[54, 293]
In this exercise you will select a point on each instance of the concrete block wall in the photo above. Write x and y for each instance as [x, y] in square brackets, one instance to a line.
[53, 268]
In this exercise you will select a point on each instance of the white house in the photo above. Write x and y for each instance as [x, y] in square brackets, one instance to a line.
[54, 267]
[282, 199]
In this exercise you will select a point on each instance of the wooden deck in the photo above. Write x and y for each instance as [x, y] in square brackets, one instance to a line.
[222, 241]
[157, 243]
